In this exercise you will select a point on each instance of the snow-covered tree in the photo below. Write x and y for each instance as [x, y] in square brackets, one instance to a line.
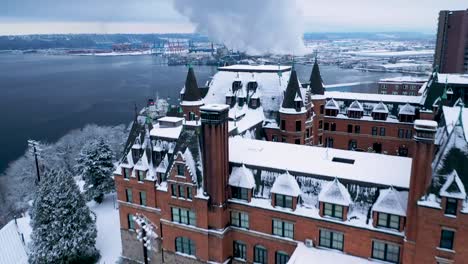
[96, 167]
[63, 229]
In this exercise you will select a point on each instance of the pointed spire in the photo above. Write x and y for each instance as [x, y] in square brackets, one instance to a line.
[191, 91]
[316, 83]
[292, 92]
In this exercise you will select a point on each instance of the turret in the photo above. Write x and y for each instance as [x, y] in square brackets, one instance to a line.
[315, 80]
[191, 99]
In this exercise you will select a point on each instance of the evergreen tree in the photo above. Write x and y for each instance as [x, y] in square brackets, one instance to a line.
[63, 229]
[96, 167]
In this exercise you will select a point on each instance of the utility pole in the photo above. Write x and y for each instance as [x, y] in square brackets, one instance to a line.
[35, 150]
[144, 238]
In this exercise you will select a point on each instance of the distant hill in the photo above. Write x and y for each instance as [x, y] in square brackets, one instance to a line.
[370, 36]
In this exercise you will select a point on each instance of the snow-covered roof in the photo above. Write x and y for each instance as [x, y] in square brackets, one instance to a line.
[331, 104]
[305, 255]
[190, 164]
[453, 187]
[254, 68]
[356, 166]
[407, 109]
[370, 97]
[142, 163]
[166, 131]
[336, 193]
[242, 177]
[451, 116]
[128, 161]
[453, 78]
[214, 107]
[356, 106]
[270, 85]
[380, 108]
[286, 184]
[12, 249]
[171, 119]
[391, 201]
[162, 167]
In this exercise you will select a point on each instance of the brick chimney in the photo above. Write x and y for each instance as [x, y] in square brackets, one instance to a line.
[421, 177]
[215, 148]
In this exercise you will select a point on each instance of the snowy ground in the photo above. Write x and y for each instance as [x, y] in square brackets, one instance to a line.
[107, 223]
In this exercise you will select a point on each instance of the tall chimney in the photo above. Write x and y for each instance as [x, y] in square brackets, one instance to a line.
[214, 118]
[421, 177]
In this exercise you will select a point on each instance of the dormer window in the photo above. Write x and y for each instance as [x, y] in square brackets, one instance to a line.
[236, 85]
[451, 206]
[283, 201]
[126, 173]
[252, 86]
[241, 101]
[355, 110]
[388, 221]
[254, 103]
[141, 175]
[331, 108]
[380, 112]
[333, 210]
[240, 193]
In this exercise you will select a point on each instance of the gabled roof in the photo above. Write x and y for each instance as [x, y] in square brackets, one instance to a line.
[142, 163]
[242, 177]
[191, 92]
[407, 109]
[12, 249]
[292, 92]
[336, 193]
[456, 116]
[453, 187]
[331, 104]
[356, 106]
[286, 184]
[380, 108]
[391, 201]
[316, 83]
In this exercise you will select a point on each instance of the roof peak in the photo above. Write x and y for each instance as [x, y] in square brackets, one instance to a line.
[191, 92]
[315, 80]
[292, 92]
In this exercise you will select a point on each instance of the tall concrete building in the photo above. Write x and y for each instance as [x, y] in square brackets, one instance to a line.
[451, 54]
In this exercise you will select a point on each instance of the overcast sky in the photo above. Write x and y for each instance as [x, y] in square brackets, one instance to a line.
[159, 16]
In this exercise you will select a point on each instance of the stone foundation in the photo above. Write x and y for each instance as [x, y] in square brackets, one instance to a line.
[132, 249]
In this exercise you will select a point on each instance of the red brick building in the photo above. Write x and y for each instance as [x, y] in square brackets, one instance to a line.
[404, 85]
[451, 53]
[211, 197]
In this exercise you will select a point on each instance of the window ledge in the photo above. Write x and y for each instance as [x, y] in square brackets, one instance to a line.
[446, 250]
[240, 259]
[126, 179]
[450, 216]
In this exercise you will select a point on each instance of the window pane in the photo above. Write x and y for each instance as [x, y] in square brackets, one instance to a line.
[394, 221]
[446, 240]
[338, 211]
[260, 255]
[393, 253]
[189, 192]
[235, 220]
[325, 238]
[175, 214]
[244, 220]
[143, 198]
[378, 250]
[192, 218]
[288, 202]
[337, 242]
[328, 209]
[181, 191]
[451, 206]
[289, 230]
[178, 244]
[281, 257]
[131, 223]
[173, 190]
[277, 228]
[382, 221]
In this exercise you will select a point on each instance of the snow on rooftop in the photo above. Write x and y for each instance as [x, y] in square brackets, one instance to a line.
[389, 53]
[270, 85]
[409, 79]
[171, 119]
[286, 184]
[366, 167]
[407, 109]
[307, 255]
[426, 123]
[242, 177]
[248, 119]
[391, 201]
[356, 106]
[214, 107]
[192, 103]
[380, 108]
[336, 193]
[255, 68]
[386, 98]
[453, 187]
[451, 116]
[453, 78]
[331, 104]
[12, 249]
[165, 131]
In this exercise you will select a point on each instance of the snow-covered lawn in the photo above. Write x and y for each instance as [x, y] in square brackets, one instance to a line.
[108, 227]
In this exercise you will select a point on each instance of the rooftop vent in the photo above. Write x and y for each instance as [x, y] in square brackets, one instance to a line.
[343, 160]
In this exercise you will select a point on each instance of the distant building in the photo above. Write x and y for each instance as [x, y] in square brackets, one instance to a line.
[404, 85]
[451, 54]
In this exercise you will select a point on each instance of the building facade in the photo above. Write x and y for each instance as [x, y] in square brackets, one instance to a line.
[451, 54]
[401, 85]
[213, 193]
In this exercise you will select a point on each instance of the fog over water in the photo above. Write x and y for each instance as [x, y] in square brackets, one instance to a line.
[43, 97]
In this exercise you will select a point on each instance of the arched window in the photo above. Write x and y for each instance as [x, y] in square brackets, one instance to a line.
[260, 254]
[185, 245]
[281, 257]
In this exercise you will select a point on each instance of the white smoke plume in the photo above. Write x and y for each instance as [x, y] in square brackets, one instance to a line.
[253, 26]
